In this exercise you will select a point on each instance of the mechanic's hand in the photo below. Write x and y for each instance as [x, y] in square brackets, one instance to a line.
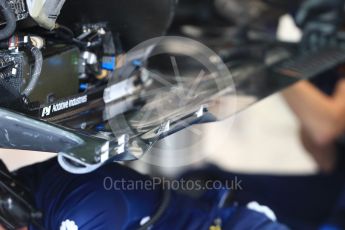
[2, 228]
[320, 20]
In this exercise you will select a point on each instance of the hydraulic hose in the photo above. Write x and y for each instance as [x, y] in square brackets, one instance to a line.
[92, 44]
[10, 19]
[37, 54]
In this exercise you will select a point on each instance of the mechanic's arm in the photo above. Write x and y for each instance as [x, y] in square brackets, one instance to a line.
[322, 117]
[2, 228]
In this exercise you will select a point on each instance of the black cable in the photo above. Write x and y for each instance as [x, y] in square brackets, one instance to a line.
[66, 29]
[10, 18]
[36, 73]
[159, 213]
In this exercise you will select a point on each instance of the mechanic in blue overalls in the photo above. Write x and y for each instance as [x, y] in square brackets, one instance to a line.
[116, 197]
[308, 202]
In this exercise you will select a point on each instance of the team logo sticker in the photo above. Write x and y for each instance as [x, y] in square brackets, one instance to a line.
[68, 225]
[63, 105]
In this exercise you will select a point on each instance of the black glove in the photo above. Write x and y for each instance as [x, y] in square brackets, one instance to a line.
[320, 20]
